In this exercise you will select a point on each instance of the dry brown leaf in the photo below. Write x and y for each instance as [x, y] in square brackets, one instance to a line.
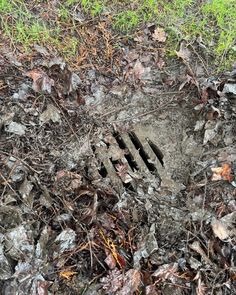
[41, 81]
[220, 229]
[67, 274]
[184, 53]
[222, 173]
[159, 35]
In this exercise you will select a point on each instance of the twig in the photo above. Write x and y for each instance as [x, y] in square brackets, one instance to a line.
[22, 161]
[67, 121]
[130, 104]
[201, 60]
[6, 183]
[146, 113]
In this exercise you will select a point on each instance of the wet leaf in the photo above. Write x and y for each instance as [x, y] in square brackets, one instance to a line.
[166, 271]
[110, 261]
[16, 128]
[209, 135]
[201, 288]
[5, 266]
[41, 81]
[65, 241]
[151, 290]
[139, 71]
[67, 181]
[110, 245]
[222, 173]
[131, 282]
[122, 171]
[42, 287]
[159, 35]
[113, 281]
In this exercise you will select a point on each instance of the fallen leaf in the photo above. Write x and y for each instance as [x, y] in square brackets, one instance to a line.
[122, 171]
[184, 53]
[160, 63]
[41, 81]
[42, 50]
[159, 35]
[113, 281]
[220, 229]
[67, 180]
[51, 113]
[201, 287]
[151, 290]
[196, 246]
[115, 152]
[166, 271]
[186, 81]
[67, 274]
[131, 282]
[42, 287]
[110, 261]
[138, 70]
[209, 135]
[222, 173]
[16, 128]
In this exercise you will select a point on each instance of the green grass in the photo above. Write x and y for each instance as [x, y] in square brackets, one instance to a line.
[93, 7]
[212, 20]
[126, 21]
[20, 25]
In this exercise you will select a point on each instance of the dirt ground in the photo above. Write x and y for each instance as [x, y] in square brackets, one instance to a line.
[116, 181]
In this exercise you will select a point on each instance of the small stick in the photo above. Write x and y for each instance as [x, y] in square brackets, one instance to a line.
[22, 161]
[146, 113]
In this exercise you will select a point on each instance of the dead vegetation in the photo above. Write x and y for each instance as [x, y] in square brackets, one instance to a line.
[86, 204]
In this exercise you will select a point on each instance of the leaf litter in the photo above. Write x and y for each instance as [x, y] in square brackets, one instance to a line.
[64, 227]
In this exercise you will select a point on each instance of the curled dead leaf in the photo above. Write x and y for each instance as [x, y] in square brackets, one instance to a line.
[222, 173]
[67, 274]
[220, 229]
[159, 35]
[122, 171]
[139, 71]
[41, 81]
[184, 53]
